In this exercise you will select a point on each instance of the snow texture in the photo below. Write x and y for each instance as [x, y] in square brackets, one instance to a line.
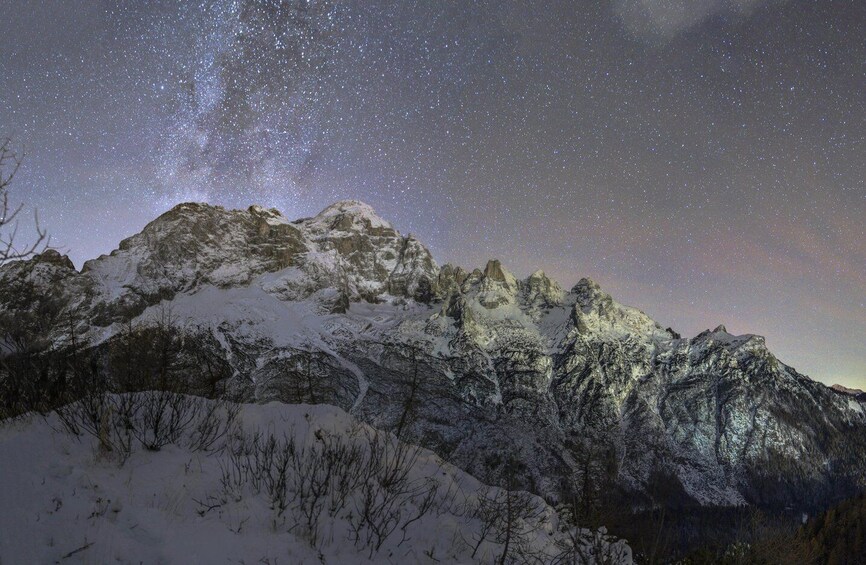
[66, 500]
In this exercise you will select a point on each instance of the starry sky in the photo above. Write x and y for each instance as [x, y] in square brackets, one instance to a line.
[704, 160]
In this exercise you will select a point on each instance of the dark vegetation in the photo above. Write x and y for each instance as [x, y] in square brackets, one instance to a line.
[673, 529]
[836, 536]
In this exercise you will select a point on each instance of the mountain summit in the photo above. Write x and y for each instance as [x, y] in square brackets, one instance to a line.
[584, 395]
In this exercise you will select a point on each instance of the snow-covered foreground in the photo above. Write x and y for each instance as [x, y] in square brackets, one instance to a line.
[289, 484]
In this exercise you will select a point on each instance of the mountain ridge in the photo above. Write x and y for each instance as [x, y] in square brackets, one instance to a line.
[273, 218]
[494, 368]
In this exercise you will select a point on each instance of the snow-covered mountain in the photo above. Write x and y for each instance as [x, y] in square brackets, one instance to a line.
[490, 368]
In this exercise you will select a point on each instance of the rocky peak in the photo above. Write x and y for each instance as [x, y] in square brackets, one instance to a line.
[597, 312]
[47, 270]
[589, 294]
[346, 247]
[721, 335]
[351, 247]
[746, 349]
[189, 247]
[494, 271]
[538, 275]
[268, 220]
[473, 278]
[497, 286]
[457, 308]
[187, 223]
[415, 274]
[348, 216]
[451, 279]
[540, 291]
[53, 257]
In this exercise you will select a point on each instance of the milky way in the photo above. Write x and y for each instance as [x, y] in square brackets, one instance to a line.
[704, 161]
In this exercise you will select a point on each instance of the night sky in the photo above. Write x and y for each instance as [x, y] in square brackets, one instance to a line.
[703, 160]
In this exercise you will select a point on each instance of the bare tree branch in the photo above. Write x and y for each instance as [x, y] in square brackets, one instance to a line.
[10, 163]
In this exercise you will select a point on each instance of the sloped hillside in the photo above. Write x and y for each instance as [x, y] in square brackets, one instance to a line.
[167, 478]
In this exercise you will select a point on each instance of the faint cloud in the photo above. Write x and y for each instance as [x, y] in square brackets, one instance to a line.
[656, 20]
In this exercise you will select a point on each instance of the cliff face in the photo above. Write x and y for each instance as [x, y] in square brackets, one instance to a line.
[479, 366]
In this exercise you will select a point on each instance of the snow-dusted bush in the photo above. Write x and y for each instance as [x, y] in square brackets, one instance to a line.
[150, 419]
[364, 478]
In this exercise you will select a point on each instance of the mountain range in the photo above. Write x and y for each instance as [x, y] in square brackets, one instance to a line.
[563, 392]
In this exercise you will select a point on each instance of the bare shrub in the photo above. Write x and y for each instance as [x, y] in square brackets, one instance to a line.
[150, 419]
[214, 425]
[158, 417]
[386, 490]
[363, 478]
[509, 520]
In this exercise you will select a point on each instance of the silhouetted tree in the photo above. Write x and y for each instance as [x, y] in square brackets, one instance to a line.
[10, 162]
[407, 415]
[509, 518]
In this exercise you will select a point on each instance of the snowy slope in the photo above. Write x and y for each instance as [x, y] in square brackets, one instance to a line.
[66, 500]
